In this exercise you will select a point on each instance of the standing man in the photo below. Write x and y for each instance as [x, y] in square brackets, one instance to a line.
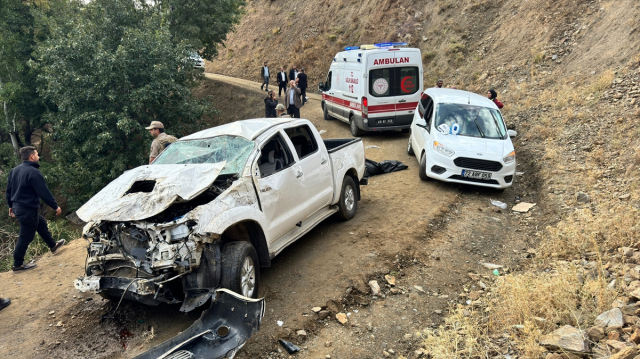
[439, 84]
[264, 72]
[293, 73]
[302, 84]
[25, 187]
[282, 81]
[160, 139]
[292, 100]
[270, 104]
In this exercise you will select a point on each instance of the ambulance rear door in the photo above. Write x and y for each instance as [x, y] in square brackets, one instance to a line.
[381, 93]
[408, 84]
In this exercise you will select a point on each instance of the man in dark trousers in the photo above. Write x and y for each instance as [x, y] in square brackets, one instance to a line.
[293, 73]
[302, 84]
[264, 72]
[270, 104]
[292, 100]
[282, 81]
[25, 188]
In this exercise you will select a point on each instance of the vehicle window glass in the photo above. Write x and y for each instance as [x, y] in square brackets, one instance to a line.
[473, 121]
[233, 149]
[426, 105]
[303, 140]
[274, 156]
[328, 83]
[394, 81]
[380, 82]
[407, 80]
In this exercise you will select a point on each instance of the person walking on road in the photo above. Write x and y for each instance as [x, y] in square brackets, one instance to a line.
[160, 139]
[4, 302]
[25, 187]
[292, 100]
[293, 73]
[493, 96]
[302, 84]
[281, 111]
[282, 81]
[264, 72]
[270, 104]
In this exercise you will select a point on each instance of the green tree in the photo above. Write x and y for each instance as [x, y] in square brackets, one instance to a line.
[22, 108]
[202, 23]
[111, 70]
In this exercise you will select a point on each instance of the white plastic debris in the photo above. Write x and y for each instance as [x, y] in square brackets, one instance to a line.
[280, 323]
[322, 131]
[519, 173]
[491, 265]
[499, 204]
[373, 146]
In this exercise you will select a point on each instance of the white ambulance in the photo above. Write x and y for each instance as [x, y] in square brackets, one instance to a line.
[373, 87]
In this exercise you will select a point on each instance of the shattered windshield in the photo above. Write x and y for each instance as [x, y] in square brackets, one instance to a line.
[473, 121]
[233, 149]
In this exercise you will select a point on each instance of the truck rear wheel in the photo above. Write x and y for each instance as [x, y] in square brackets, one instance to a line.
[240, 269]
[348, 204]
[355, 130]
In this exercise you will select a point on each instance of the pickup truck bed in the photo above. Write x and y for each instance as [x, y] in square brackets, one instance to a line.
[339, 143]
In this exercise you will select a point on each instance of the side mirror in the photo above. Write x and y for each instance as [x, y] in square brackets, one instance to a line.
[512, 133]
[321, 86]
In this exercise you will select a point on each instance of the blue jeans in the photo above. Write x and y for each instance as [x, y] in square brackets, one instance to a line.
[30, 222]
[266, 81]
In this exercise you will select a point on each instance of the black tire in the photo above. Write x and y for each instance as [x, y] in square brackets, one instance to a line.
[423, 168]
[348, 204]
[410, 148]
[234, 255]
[406, 130]
[355, 130]
[325, 111]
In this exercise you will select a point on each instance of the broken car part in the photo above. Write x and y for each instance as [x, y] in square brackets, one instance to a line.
[220, 332]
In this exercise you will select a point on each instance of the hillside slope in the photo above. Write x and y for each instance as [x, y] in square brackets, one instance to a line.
[460, 40]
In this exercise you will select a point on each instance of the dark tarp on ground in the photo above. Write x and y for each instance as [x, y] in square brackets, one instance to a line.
[373, 168]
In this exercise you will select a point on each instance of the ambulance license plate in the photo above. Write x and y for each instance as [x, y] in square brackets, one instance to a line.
[385, 121]
[476, 174]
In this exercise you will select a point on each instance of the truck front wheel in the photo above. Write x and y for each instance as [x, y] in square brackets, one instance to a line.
[240, 269]
[348, 203]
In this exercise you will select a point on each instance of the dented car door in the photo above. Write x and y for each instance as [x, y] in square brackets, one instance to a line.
[280, 189]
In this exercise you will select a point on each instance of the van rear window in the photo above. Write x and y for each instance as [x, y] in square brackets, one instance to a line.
[393, 81]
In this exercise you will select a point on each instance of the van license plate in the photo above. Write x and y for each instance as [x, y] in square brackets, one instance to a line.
[476, 175]
[385, 121]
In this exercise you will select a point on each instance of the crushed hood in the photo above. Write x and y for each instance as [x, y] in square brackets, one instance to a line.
[173, 183]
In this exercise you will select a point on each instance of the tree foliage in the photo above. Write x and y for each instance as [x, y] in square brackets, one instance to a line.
[203, 23]
[110, 72]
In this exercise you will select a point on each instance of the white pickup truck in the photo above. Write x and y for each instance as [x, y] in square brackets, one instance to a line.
[213, 208]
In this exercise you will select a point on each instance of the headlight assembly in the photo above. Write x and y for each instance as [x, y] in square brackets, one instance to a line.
[440, 148]
[510, 157]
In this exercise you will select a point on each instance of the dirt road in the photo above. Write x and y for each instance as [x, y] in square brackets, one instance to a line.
[428, 235]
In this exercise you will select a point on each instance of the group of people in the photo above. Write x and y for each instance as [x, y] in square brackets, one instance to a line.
[294, 85]
[491, 94]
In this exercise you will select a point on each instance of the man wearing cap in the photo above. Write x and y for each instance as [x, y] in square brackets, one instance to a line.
[160, 139]
[281, 111]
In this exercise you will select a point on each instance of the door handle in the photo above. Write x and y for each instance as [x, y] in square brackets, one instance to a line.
[299, 174]
[402, 101]
[324, 160]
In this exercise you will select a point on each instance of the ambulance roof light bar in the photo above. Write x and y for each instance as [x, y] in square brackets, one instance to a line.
[389, 44]
[348, 48]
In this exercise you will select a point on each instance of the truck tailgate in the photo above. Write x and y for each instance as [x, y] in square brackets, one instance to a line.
[345, 153]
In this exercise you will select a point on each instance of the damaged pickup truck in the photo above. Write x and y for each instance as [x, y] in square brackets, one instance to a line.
[213, 208]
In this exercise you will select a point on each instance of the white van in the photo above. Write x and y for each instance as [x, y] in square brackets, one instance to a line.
[373, 87]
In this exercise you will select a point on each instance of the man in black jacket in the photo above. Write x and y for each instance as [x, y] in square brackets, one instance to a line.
[25, 188]
[293, 73]
[282, 81]
[270, 104]
[302, 84]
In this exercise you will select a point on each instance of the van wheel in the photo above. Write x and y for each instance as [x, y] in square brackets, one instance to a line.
[355, 130]
[423, 168]
[348, 204]
[325, 111]
[410, 148]
[240, 269]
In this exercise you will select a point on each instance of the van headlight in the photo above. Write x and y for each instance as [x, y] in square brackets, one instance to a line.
[510, 157]
[442, 149]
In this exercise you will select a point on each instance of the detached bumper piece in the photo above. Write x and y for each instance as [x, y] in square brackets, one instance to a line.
[221, 331]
